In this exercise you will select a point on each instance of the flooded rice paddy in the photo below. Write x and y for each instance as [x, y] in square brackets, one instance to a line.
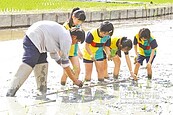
[113, 97]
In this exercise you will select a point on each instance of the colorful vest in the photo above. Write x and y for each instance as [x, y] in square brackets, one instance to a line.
[144, 47]
[96, 46]
[74, 47]
[113, 46]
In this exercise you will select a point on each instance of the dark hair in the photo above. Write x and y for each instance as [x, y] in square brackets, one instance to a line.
[79, 33]
[126, 43]
[80, 14]
[107, 27]
[144, 32]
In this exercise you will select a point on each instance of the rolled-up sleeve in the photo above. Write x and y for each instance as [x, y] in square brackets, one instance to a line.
[65, 59]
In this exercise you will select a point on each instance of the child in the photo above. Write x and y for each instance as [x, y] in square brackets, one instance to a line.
[118, 45]
[145, 48]
[76, 19]
[97, 39]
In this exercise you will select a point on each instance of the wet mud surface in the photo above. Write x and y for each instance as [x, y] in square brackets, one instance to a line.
[112, 97]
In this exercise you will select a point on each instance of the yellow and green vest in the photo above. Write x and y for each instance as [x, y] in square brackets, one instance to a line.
[96, 46]
[143, 46]
[113, 46]
[74, 48]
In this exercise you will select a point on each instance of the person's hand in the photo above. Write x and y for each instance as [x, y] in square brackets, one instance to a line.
[135, 59]
[148, 65]
[80, 55]
[79, 83]
[92, 58]
[110, 57]
[134, 76]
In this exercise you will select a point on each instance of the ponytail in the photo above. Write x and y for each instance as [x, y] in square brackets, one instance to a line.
[107, 27]
[76, 12]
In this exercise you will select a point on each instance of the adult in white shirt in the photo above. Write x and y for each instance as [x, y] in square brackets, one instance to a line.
[43, 37]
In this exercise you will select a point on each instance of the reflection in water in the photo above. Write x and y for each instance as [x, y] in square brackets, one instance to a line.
[11, 34]
[108, 92]
[90, 93]
[82, 95]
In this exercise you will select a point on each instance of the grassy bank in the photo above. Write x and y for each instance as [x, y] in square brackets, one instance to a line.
[154, 1]
[66, 5]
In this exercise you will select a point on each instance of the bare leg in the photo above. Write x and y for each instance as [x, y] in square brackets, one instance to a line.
[149, 71]
[76, 65]
[117, 63]
[88, 71]
[105, 68]
[64, 78]
[137, 65]
[100, 71]
[76, 68]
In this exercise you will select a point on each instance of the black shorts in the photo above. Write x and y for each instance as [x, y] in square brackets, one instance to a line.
[141, 58]
[31, 54]
[90, 61]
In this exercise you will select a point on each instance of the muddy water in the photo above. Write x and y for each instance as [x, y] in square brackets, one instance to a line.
[11, 34]
[150, 97]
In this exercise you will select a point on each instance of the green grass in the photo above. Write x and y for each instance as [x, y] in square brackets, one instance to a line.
[66, 5]
[154, 1]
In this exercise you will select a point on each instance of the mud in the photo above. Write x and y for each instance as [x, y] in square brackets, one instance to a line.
[144, 97]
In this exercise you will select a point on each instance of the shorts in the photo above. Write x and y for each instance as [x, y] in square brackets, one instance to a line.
[90, 61]
[31, 54]
[141, 58]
